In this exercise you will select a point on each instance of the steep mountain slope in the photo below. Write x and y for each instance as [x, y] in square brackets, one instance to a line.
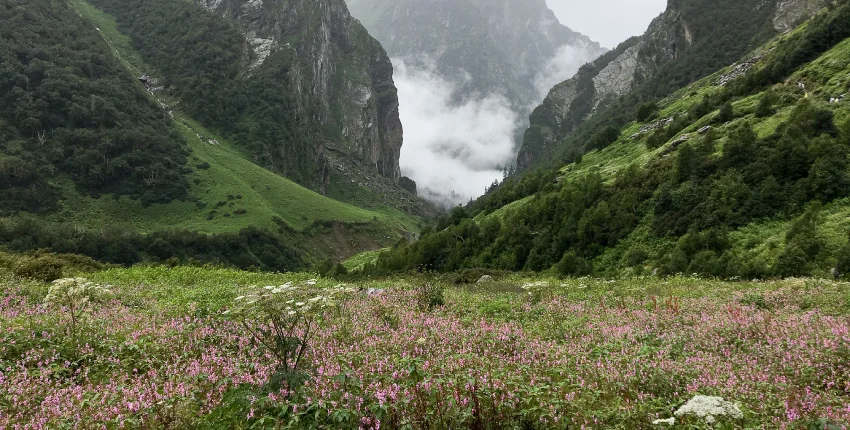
[289, 81]
[68, 109]
[486, 46]
[93, 163]
[743, 173]
[690, 40]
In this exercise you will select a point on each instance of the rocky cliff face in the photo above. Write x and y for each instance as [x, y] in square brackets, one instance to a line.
[342, 77]
[790, 12]
[571, 102]
[690, 40]
[484, 46]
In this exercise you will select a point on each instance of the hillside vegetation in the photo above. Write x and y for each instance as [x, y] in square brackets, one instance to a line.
[69, 111]
[745, 179]
[146, 185]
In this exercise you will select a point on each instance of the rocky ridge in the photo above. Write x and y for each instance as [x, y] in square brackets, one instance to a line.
[342, 76]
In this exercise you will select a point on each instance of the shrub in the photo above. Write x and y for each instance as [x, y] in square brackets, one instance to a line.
[636, 256]
[646, 112]
[755, 300]
[727, 113]
[44, 268]
[573, 265]
[843, 266]
[429, 296]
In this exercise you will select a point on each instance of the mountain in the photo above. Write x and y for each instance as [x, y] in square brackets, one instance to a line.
[690, 40]
[187, 123]
[291, 80]
[484, 46]
[743, 173]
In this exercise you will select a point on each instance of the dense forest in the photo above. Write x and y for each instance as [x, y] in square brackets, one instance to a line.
[68, 110]
[691, 201]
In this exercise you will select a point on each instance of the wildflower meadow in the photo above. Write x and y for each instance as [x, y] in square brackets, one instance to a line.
[159, 348]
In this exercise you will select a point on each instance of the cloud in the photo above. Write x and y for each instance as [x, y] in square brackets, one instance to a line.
[453, 150]
[563, 66]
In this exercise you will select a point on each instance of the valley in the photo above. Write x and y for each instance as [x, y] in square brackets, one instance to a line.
[233, 214]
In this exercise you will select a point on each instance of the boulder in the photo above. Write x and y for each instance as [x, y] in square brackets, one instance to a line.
[709, 409]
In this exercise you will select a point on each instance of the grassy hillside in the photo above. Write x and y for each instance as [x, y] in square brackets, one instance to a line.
[690, 40]
[745, 179]
[157, 350]
[232, 193]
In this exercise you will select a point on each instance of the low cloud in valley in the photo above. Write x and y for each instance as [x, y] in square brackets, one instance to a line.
[452, 150]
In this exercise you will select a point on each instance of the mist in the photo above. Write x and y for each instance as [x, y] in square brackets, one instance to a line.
[453, 151]
[563, 66]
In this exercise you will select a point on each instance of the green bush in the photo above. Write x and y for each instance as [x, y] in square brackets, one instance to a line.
[573, 265]
[45, 268]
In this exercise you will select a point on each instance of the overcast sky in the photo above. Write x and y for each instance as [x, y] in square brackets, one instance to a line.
[608, 22]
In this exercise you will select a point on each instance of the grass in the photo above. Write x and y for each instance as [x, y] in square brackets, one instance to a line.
[520, 352]
[119, 42]
[358, 261]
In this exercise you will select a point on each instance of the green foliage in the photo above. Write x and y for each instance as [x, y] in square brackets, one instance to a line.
[330, 269]
[802, 245]
[257, 113]
[726, 114]
[69, 110]
[573, 265]
[718, 34]
[429, 295]
[74, 296]
[818, 36]
[646, 112]
[766, 103]
[843, 266]
[250, 248]
[45, 268]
